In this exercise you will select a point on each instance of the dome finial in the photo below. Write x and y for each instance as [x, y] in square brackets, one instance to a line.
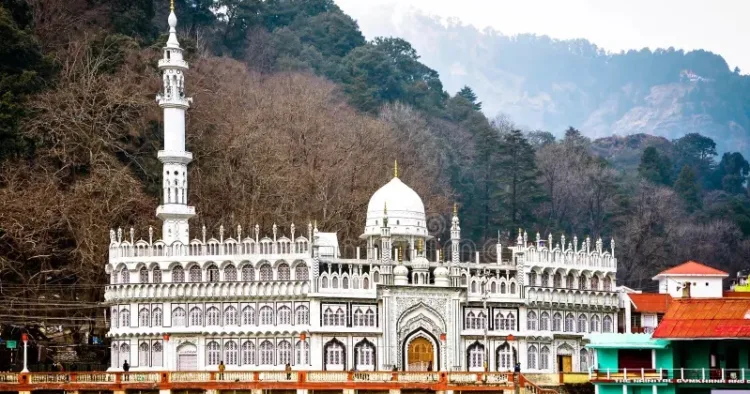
[385, 208]
[171, 5]
[455, 209]
[395, 168]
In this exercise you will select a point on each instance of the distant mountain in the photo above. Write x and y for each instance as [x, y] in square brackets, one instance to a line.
[548, 84]
[625, 152]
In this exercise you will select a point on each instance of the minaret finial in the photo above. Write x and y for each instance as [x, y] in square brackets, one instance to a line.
[385, 208]
[395, 168]
[171, 5]
[455, 209]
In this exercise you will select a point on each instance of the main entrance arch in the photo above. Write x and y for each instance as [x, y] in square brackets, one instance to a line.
[420, 355]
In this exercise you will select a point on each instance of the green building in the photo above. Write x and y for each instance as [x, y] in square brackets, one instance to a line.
[702, 346]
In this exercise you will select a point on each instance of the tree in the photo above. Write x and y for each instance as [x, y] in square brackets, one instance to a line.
[467, 93]
[686, 186]
[539, 138]
[655, 167]
[697, 152]
[519, 173]
[731, 173]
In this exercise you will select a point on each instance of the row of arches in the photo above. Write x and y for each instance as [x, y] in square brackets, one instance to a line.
[569, 323]
[570, 281]
[345, 281]
[213, 316]
[212, 247]
[194, 273]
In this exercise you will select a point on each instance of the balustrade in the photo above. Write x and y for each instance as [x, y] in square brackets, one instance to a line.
[277, 376]
[140, 377]
[679, 375]
[325, 376]
[189, 376]
[8, 377]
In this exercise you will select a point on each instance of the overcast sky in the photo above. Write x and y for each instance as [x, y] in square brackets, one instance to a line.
[713, 25]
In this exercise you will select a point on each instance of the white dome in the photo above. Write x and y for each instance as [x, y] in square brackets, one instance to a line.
[420, 263]
[441, 272]
[401, 270]
[405, 210]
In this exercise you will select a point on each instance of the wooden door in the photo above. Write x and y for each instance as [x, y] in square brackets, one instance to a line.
[567, 363]
[420, 355]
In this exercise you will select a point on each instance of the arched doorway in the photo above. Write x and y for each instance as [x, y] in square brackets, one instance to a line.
[187, 357]
[420, 355]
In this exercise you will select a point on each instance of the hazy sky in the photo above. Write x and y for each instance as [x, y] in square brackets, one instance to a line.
[713, 25]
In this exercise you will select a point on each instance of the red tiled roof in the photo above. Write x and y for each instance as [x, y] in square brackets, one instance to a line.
[650, 302]
[693, 268]
[706, 318]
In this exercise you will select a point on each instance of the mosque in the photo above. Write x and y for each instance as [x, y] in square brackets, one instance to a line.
[263, 299]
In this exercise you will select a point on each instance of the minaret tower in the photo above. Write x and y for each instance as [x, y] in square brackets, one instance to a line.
[174, 211]
[386, 266]
[455, 271]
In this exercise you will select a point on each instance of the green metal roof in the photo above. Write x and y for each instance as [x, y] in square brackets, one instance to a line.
[624, 341]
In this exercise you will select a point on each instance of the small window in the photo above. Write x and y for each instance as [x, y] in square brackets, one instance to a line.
[376, 222]
[397, 223]
[706, 283]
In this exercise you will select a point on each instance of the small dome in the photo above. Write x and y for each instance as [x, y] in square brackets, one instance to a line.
[405, 210]
[420, 263]
[401, 270]
[441, 272]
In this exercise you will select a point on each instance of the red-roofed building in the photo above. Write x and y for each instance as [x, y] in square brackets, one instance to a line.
[646, 310]
[692, 280]
[720, 318]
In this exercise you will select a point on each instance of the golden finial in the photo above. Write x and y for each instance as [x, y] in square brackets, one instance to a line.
[395, 168]
[400, 254]
[420, 245]
[385, 207]
[455, 209]
[171, 5]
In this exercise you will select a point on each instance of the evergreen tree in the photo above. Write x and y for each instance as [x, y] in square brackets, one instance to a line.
[686, 186]
[655, 167]
[697, 152]
[731, 173]
[467, 93]
[518, 171]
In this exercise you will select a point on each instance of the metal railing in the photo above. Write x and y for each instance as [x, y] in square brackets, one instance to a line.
[679, 375]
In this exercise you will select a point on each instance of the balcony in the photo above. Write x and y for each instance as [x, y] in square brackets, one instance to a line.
[573, 297]
[240, 380]
[681, 375]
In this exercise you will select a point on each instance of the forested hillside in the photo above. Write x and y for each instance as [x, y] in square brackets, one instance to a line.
[297, 118]
[549, 84]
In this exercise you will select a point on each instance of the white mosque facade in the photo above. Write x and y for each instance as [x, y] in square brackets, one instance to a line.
[262, 299]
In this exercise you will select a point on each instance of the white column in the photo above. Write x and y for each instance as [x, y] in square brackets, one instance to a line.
[25, 356]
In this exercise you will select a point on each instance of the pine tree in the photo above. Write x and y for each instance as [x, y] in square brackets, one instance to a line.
[655, 167]
[521, 192]
[467, 93]
[686, 186]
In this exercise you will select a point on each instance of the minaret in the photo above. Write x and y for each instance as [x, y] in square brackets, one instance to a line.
[455, 271]
[386, 268]
[174, 211]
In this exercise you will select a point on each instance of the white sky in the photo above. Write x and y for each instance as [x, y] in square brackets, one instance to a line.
[713, 25]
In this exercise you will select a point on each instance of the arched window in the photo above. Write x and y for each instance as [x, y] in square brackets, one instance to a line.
[376, 277]
[248, 315]
[370, 318]
[143, 318]
[124, 318]
[340, 317]
[471, 322]
[512, 287]
[156, 317]
[569, 281]
[544, 358]
[266, 353]
[196, 316]
[178, 274]
[285, 353]
[582, 323]
[230, 316]
[531, 321]
[124, 353]
[531, 357]
[364, 355]
[510, 321]
[493, 287]
[334, 354]
[156, 354]
[569, 323]
[607, 284]
[359, 318]
[545, 280]
[115, 355]
[143, 276]
[581, 283]
[532, 278]
[328, 317]
[557, 280]
[124, 275]
[503, 288]
[473, 287]
[213, 316]
[230, 274]
[584, 358]
[303, 315]
[594, 282]
[607, 324]
[476, 355]
[266, 273]
[213, 353]
[248, 274]
[500, 321]
[335, 282]
[366, 284]
[595, 323]
[300, 272]
[557, 322]
[143, 353]
[303, 352]
[283, 272]
[266, 315]
[248, 353]
[504, 358]
[285, 316]
[157, 275]
[324, 282]
[178, 317]
[345, 283]
[230, 353]
[544, 321]
[463, 283]
[195, 274]
[213, 273]
[481, 320]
